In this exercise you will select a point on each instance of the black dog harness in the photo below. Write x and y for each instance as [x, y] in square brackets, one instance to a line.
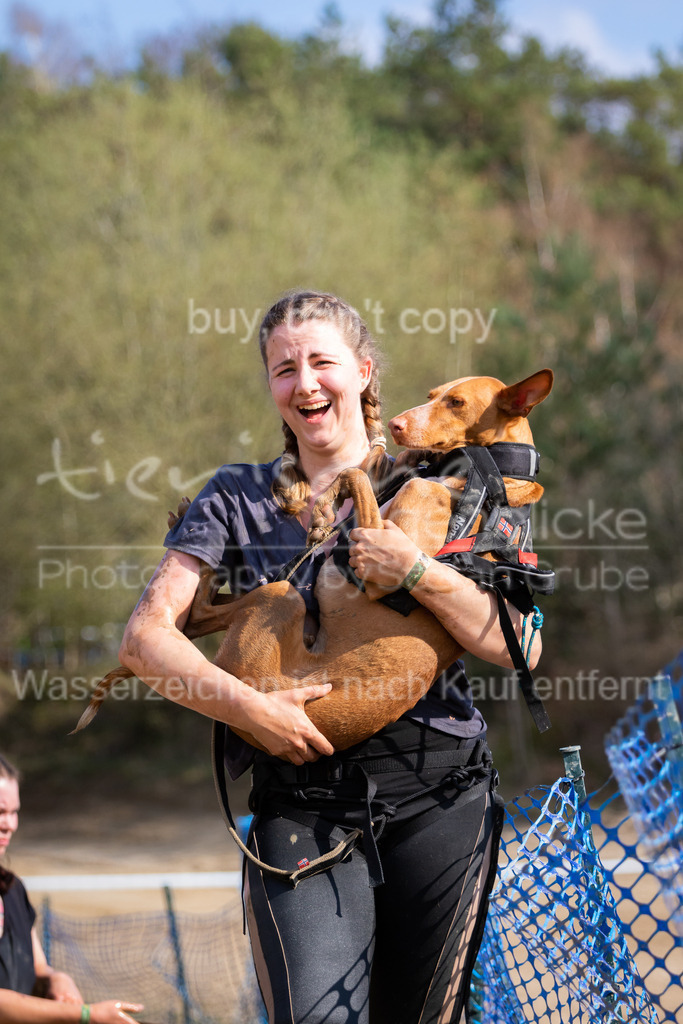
[505, 533]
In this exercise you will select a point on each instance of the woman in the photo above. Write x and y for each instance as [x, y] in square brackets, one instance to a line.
[23, 967]
[388, 934]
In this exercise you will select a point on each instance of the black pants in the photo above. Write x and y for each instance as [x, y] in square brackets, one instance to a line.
[338, 949]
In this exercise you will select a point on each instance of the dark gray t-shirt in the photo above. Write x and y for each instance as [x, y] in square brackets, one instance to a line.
[236, 526]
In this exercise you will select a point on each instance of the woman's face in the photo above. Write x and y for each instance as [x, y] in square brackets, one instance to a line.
[316, 382]
[9, 811]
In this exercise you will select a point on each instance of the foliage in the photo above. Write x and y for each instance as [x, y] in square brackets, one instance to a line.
[148, 216]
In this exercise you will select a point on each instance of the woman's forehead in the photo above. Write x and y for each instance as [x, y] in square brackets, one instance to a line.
[310, 337]
[9, 791]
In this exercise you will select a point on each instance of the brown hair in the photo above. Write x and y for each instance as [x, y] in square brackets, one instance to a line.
[7, 770]
[291, 487]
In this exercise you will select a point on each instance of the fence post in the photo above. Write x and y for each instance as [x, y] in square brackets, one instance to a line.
[574, 770]
[180, 969]
[47, 928]
[661, 695]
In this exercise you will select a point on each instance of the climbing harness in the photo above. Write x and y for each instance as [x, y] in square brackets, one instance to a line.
[283, 789]
[304, 870]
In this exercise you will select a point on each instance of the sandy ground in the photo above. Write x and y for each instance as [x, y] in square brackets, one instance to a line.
[122, 838]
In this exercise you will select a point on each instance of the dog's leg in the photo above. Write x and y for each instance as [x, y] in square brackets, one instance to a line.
[422, 509]
[210, 610]
[351, 483]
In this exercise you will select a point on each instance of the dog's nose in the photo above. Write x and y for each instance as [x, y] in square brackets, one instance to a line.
[396, 426]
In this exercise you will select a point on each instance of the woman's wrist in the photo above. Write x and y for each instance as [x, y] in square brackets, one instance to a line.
[416, 572]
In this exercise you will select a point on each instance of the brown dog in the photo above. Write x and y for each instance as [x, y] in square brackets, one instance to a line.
[379, 662]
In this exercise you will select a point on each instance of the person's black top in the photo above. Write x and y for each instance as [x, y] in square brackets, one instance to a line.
[17, 971]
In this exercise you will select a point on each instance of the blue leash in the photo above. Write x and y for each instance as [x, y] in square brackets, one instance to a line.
[536, 623]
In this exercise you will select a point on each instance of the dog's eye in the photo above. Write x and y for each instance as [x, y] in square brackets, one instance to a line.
[454, 402]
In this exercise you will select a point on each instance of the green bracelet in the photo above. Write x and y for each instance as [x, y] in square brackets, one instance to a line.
[85, 1013]
[417, 571]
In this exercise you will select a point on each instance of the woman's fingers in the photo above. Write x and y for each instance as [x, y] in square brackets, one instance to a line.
[114, 1012]
[382, 556]
[287, 731]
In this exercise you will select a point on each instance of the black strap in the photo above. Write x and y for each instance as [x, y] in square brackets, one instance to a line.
[520, 461]
[490, 474]
[471, 500]
[314, 867]
[524, 677]
[511, 577]
[333, 769]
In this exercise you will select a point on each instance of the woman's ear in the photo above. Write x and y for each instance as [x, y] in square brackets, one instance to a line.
[365, 368]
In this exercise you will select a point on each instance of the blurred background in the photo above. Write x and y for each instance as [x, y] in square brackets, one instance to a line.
[496, 186]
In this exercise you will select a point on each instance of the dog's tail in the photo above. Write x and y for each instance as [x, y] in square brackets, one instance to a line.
[99, 694]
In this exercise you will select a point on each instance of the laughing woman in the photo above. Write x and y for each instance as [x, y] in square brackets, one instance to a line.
[389, 934]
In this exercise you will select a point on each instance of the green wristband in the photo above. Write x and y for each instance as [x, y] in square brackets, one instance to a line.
[85, 1013]
[417, 571]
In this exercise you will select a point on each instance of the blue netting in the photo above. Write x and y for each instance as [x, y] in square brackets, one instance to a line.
[646, 756]
[585, 921]
[205, 977]
[555, 948]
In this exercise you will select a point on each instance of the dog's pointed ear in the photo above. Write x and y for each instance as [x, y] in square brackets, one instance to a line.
[520, 398]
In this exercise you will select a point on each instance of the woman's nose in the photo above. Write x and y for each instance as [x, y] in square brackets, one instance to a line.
[306, 380]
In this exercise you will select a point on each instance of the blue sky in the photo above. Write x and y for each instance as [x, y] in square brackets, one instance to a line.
[618, 36]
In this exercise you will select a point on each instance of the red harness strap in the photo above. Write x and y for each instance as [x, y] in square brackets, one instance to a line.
[459, 544]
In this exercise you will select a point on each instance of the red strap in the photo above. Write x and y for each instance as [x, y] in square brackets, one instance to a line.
[529, 557]
[460, 544]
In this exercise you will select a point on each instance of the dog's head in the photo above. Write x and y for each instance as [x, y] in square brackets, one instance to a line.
[472, 410]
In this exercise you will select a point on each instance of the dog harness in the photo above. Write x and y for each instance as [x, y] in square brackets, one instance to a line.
[505, 533]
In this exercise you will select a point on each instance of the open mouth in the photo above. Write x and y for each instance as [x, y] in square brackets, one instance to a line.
[313, 412]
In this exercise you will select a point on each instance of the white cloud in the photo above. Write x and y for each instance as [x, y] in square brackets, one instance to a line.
[575, 26]
[365, 26]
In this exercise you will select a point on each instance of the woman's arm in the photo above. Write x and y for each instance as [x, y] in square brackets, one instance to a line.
[63, 1003]
[50, 983]
[16, 1008]
[469, 613]
[157, 651]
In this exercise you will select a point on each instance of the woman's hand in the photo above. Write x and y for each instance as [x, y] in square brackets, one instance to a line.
[384, 557]
[278, 721]
[60, 987]
[113, 1012]
[469, 613]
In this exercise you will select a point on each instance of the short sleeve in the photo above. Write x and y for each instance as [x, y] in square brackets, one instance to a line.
[204, 531]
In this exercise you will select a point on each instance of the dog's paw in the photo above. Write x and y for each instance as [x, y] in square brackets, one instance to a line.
[174, 517]
[322, 523]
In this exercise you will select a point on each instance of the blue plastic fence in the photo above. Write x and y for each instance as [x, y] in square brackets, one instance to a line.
[585, 920]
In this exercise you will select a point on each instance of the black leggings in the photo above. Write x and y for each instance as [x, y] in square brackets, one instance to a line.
[338, 949]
